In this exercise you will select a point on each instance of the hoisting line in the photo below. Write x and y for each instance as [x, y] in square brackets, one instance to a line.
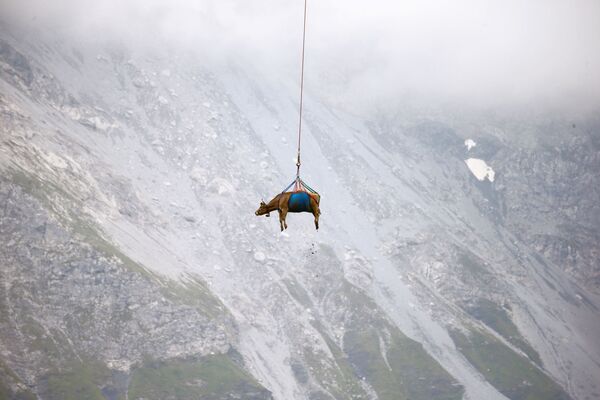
[301, 96]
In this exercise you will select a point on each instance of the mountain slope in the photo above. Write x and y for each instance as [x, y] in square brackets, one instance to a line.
[132, 263]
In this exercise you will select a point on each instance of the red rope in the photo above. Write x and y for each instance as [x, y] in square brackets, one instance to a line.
[301, 93]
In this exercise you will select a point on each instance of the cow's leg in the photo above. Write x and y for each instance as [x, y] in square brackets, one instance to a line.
[281, 219]
[283, 210]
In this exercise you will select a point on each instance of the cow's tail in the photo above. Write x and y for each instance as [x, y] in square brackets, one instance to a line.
[317, 198]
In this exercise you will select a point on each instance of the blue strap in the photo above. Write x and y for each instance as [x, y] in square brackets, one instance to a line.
[289, 186]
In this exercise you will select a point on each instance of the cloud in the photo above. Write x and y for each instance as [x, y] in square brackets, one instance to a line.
[476, 53]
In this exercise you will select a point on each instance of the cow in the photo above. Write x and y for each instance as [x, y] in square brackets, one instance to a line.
[296, 202]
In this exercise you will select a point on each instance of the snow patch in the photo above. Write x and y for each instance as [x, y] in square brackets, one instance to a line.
[480, 169]
[470, 143]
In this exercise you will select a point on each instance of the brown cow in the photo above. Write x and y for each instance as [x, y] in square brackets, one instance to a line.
[280, 203]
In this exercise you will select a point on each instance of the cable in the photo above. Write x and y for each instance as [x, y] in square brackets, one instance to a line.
[301, 94]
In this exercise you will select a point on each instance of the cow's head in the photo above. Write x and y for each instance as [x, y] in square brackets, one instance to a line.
[262, 210]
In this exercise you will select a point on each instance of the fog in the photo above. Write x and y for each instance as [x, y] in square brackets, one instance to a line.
[472, 53]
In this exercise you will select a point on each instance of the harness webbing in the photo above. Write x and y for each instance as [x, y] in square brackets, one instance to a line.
[299, 185]
[308, 187]
[288, 187]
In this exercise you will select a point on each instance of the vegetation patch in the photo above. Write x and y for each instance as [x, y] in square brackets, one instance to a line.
[11, 387]
[512, 374]
[39, 340]
[337, 378]
[195, 294]
[402, 369]
[7, 394]
[90, 235]
[496, 317]
[472, 265]
[396, 366]
[211, 377]
[49, 195]
[80, 380]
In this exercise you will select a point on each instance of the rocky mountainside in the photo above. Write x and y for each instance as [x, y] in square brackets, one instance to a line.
[132, 265]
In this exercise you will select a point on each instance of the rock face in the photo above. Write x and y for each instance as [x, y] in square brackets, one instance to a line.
[77, 311]
[560, 216]
[132, 265]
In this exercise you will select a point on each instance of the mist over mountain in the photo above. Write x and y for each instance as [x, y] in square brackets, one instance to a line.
[456, 148]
